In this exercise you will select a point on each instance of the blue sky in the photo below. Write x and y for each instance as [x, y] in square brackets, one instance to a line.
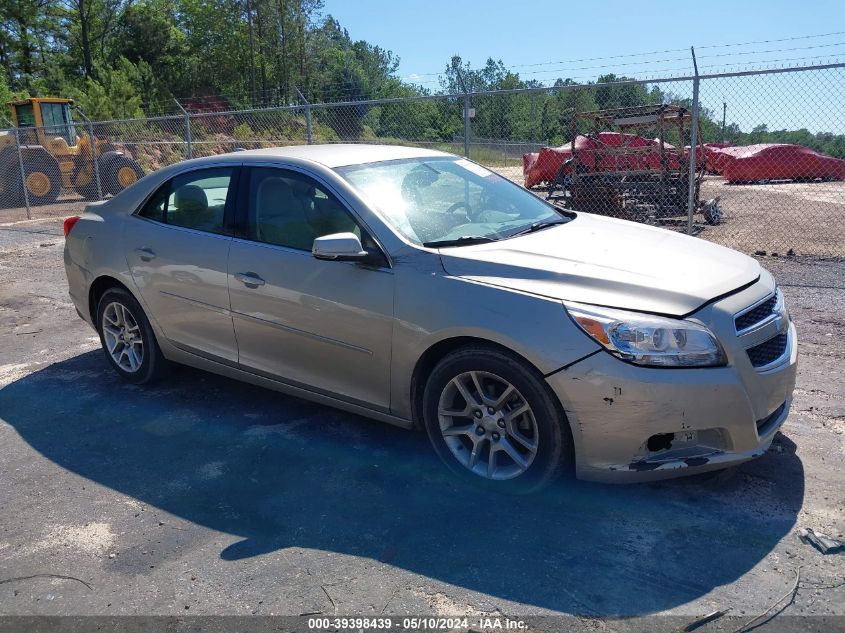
[426, 34]
[544, 39]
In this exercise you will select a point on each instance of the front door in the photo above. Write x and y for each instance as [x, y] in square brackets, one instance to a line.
[319, 324]
[177, 249]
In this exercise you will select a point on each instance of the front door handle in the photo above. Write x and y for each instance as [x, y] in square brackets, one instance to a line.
[250, 280]
[146, 254]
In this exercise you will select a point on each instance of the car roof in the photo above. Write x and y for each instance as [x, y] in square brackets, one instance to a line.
[339, 155]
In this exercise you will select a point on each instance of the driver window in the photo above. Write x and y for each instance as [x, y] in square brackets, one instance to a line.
[289, 209]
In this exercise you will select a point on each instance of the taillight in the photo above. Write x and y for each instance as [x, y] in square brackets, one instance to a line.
[69, 222]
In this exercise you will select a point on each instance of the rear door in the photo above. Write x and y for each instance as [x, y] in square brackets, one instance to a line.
[325, 325]
[177, 248]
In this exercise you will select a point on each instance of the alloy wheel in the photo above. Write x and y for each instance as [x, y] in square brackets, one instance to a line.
[488, 425]
[123, 338]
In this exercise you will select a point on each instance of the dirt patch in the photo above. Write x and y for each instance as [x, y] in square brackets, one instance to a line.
[805, 218]
[93, 539]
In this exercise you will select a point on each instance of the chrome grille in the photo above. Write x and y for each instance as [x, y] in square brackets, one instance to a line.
[767, 351]
[756, 314]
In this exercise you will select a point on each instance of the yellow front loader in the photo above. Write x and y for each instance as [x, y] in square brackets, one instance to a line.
[55, 158]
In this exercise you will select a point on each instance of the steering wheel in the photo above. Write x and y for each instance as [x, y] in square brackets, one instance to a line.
[458, 205]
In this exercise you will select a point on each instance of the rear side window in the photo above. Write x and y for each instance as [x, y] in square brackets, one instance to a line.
[196, 200]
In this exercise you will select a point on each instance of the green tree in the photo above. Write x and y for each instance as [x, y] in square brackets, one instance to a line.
[5, 97]
[27, 28]
[114, 95]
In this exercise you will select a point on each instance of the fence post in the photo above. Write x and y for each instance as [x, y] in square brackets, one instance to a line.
[693, 142]
[466, 112]
[308, 138]
[466, 125]
[95, 163]
[187, 118]
[23, 173]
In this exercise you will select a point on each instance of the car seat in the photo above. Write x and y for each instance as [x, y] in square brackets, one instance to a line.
[191, 209]
[281, 215]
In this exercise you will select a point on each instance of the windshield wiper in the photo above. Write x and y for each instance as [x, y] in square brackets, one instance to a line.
[464, 240]
[538, 226]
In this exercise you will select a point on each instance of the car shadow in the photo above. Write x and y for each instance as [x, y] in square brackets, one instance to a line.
[281, 472]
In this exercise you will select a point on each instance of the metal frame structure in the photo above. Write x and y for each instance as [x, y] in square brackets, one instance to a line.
[621, 180]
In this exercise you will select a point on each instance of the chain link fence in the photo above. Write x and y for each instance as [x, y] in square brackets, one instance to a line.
[751, 160]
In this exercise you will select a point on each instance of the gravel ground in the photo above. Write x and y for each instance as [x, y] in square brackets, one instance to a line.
[806, 218]
[205, 496]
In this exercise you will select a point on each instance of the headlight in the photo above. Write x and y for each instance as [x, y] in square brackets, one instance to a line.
[649, 340]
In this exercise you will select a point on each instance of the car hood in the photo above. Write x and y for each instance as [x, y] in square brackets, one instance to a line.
[608, 262]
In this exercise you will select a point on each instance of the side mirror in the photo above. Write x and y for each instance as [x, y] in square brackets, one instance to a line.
[339, 247]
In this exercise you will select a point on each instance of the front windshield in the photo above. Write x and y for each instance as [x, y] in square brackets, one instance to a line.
[435, 201]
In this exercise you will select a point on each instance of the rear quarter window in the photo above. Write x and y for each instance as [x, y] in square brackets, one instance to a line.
[195, 200]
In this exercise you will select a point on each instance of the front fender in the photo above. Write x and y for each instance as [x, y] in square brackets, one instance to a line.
[432, 308]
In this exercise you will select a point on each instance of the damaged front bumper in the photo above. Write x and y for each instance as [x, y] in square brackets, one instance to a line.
[632, 423]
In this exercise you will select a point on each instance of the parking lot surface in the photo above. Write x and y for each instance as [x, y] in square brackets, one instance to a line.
[206, 496]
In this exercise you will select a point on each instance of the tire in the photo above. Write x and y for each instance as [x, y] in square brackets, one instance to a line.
[118, 171]
[117, 302]
[712, 213]
[43, 179]
[11, 192]
[543, 426]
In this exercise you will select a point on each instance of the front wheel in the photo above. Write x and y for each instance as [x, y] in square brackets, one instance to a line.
[118, 172]
[127, 338]
[491, 418]
[43, 181]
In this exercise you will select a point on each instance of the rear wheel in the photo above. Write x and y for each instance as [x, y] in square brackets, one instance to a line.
[42, 179]
[11, 193]
[492, 419]
[127, 338]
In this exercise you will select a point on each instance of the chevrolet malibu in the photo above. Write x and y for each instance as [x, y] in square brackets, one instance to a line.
[421, 289]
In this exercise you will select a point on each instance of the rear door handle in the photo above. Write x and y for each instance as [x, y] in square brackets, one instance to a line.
[146, 254]
[250, 280]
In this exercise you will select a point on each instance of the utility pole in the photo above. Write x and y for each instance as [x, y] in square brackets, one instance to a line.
[724, 119]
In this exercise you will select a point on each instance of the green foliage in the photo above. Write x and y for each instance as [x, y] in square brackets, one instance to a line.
[5, 97]
[129, 58]
[114, 96]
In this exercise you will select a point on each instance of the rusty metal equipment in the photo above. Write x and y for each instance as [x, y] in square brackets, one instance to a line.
[625, 166]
